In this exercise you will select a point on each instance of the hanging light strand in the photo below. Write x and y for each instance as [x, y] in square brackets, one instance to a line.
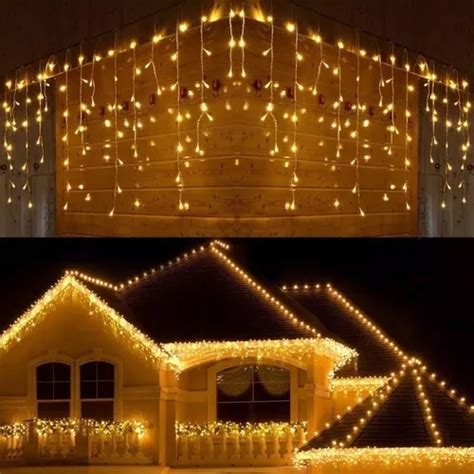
[408, 138]
[271, 86]
[26, 126]
[232, 44]
[39, 114]
[434, 114]
[66, 137]
[118, 133]
[447, 162]
[322, 63]
[8, 132]
[461, 129]
[152, 63]
[133, 99]
[291, 205]
[243, 72]
[82, 106]
[183, 205]
[356, 162]
[203, 86]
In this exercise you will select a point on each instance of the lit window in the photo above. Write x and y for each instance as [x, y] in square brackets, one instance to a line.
[97, 391]
[53, 391]
[253, 393]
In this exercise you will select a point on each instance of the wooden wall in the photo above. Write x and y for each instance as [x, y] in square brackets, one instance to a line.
[237, 188]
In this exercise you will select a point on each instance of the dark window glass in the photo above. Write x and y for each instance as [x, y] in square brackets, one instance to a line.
[53, 382]
[53, 410]
[254, 394]
[97, 391]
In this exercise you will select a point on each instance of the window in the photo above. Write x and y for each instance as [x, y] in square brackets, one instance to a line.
[53, 391]
[253, 393]
[97, 391]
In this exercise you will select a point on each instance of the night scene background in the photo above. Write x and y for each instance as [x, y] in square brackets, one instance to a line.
[419, 292]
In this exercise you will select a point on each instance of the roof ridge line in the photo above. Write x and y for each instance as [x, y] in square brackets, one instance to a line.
[385, 388]
[118, 287]
[424, 402]
[355, 312]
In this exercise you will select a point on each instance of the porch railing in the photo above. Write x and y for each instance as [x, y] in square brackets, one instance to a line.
[227, 444]
[39, 442]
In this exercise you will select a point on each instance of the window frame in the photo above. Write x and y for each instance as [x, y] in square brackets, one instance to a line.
[221, 366]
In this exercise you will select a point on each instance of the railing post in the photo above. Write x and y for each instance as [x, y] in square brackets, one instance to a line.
[32, 444]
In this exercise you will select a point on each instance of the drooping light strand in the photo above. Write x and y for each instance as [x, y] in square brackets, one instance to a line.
[67, 163]
[39, 113]
[378, 59]
[322, 63]
[243, 72]
[152, 63]
[434, 113]
[203, 86]
[82, 106]
[447, 163]
[133, 99]
[183, 205]
[8, 146]
[291, 205]
[460, 127]
[26, 168]
[356, 162]
[338, 107]
[232, 44]
[408, 138]
[390, 110]
[467, 125]
[117, 132]
[271, 86]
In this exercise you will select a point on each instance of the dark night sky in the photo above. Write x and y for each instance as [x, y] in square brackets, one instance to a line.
[420, 292]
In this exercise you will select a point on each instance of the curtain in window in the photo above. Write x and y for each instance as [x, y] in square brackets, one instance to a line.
[276, 381]
[235, 382]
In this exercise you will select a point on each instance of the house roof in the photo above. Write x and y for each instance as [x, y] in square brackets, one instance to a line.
[378, 355]
[411, 411]
[204, 296]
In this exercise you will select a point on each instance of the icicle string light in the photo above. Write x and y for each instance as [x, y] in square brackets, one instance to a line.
[82, 106]
[183, 205]
[67, 162]
[117, 132]
[447, 161]
[39, 114]
[408, 139]
[203, 86]
[291, 205]
[357, 187]
[269, 112]
[232, 44]
[242, 44]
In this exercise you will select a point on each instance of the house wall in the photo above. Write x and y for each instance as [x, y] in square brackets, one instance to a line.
[70, 334]
[261, 202]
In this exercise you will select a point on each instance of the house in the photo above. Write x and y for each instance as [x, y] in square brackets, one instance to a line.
[195, 366]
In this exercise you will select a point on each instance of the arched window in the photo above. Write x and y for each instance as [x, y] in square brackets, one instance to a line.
[53, 391]
[253, 393]
[97, 391]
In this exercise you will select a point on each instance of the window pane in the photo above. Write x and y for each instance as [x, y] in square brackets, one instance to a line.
[236, 412]
[233, 393]
[89, 371]
[55, 410]
[62, 390]
[100, 411]
[44, 373]
[88, 390]
[62, 373]
[44, 391]
[277, 411]
[106, 390]
[106, 371]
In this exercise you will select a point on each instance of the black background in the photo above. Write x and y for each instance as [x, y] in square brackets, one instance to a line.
[420, 291]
